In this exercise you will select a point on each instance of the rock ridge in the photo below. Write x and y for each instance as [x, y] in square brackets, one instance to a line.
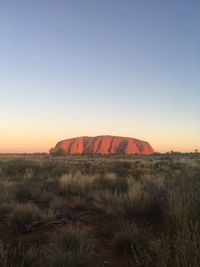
[102, 145]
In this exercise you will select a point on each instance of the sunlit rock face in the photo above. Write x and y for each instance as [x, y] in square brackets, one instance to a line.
[102, 145]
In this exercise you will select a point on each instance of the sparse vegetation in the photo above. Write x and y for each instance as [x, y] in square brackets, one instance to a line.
[77, 184]
[71, 246]
[90, 210]
[24, 214]
[130, 238]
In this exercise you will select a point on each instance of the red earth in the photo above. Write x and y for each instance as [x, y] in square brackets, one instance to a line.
[103, 145]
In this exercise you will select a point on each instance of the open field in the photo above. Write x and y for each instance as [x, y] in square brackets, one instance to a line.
[117, 211]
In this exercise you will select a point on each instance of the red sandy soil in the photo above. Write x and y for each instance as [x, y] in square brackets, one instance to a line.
[104, 145]
[102, 225]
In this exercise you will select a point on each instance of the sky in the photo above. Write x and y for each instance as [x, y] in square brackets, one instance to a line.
[72, 68]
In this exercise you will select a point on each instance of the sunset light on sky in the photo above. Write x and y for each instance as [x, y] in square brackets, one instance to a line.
[85, 68]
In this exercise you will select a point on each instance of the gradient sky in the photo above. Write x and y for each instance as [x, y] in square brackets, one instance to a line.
[90, 67]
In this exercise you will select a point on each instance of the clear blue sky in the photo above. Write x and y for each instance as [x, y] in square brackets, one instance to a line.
[88, 67]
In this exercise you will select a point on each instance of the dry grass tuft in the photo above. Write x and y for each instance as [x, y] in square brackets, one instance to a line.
[24, 214]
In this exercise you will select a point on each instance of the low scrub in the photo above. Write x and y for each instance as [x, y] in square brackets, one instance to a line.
[182, 209]
[71, 246]
[19, 256]
[28, 191]
[182, 249]
[24, 214]
[130, 238]
[111, 203]
[76, 184]
[53, 208]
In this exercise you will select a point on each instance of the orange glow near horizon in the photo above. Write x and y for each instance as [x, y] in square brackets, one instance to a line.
[31, 144]
[39, 135]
